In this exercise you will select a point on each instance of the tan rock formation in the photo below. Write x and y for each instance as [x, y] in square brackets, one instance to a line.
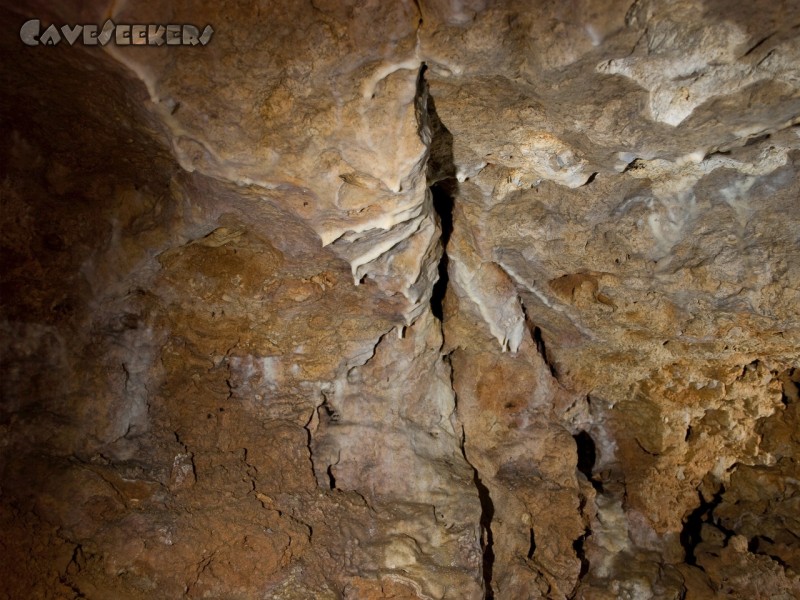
[409, 299]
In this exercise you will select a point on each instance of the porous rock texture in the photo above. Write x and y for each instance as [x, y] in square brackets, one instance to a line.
[403, 299]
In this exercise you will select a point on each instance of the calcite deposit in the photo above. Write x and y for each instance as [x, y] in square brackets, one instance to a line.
[420, 299]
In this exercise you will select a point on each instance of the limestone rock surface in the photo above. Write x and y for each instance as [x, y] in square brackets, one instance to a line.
[436, 299]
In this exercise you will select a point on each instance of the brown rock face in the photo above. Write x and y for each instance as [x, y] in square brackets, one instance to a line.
[423, 299]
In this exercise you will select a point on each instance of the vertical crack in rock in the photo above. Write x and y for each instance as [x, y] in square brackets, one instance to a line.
[443, 205]
[587, 457]
[487, 539]
[487, 514]
[580, 552]
[331, 478]
[309, 427]
[532, 547]
[536, 333]
[691, 534]
[443, 187]
[323, 414]
[790, 390]
[538, 340]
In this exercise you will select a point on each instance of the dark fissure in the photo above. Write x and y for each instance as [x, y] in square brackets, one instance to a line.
[444, 189]
[443, 205]
[487, 514]
[487, 542]
[580, 552]
[538, 339]
[331, 478]
[587, 456]
[536, 332]
[691, 534]
[443, 186]
[532, 547]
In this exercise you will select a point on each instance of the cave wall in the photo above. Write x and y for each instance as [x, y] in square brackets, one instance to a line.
[433, 299]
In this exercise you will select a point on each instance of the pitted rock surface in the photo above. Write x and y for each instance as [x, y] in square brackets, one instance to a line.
[414, 299]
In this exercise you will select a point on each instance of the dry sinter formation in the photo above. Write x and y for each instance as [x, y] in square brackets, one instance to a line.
[433, 299]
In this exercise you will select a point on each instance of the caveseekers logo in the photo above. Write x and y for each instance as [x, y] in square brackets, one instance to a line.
[31, 34]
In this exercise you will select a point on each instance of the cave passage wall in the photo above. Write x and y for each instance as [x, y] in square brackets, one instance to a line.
[413, 299]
